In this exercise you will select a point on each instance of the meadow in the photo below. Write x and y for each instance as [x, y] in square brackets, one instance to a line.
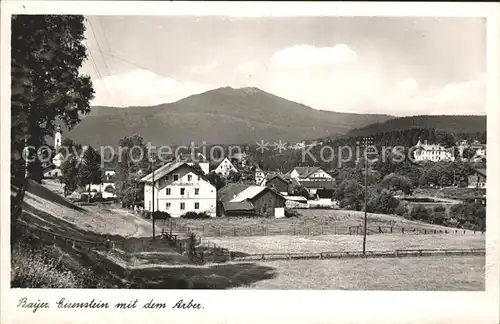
[449, 273]
[342, 243]
[309, 222]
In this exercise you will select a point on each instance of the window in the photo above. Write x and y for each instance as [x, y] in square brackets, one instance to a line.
[196, 205]
[199, 178]
[167, 191]
[189, 177]
[196, 191]
[176, 177]
[183, 206]
[167, 178]
[183, 190]
[167, 205]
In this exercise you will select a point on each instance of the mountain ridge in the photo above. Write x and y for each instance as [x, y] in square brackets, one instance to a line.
[219, 116]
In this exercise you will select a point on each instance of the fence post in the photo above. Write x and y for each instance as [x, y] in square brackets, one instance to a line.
[220, 231]
[294, 231]
[391, 229]
[402, 230]
[425, 231]
[234, 231]
[308, 231]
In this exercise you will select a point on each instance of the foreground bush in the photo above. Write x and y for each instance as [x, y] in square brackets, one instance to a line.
[291, 212]
[161, 215]
[195, 215]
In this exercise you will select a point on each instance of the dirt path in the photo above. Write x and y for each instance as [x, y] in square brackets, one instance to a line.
[143, 228]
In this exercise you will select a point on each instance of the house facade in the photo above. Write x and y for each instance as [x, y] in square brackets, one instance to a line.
[433, 152]
[478, 179]
[225, 167]
[260, 176]
[179, 188]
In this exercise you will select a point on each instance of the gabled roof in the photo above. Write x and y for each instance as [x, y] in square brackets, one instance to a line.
[296, 198]
[305, 172]
[229, 191]
[249, 193]
[169, 168]
[270, 177]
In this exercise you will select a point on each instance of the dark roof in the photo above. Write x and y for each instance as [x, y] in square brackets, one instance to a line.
[320, 184]
[270, 177]
[325, 193]
[169, 168]
[237, 206]
[231, 190]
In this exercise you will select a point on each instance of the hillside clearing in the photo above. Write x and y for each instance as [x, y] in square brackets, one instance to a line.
[416, 274]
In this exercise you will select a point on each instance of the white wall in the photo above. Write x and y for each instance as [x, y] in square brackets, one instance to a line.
[225, 167]
[189, 180]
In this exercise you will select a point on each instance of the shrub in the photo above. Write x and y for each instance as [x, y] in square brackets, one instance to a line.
[439, 209]
[291, 212]
[161, 215]
[401, 209]
[419, 212]
[195, 215]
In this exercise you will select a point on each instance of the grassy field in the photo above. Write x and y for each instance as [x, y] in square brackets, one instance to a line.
[310, 222]
[423, 274]
[333, 243]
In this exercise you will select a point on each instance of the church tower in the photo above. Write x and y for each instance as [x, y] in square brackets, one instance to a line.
[58, 138]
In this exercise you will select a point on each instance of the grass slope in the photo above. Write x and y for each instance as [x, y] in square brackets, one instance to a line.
[403, 274]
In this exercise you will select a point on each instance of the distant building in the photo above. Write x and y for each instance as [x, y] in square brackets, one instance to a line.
[309, 173]
[225, 167]
[51, 172]
[259, 175]
[279, 183]
[237, 199]
[179, 188]
[433, 152]
[478, 179]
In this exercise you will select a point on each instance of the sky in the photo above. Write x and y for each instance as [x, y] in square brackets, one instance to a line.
[393, 65]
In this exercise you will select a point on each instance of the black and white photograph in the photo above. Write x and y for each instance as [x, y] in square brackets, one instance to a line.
[225, 152]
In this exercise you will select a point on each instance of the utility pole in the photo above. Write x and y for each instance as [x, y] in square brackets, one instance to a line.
[368, 141]
[153, 194]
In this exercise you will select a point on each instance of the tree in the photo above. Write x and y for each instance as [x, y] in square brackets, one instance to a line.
[47, 52]
[233, 176]
[90, 171]
[468, 153]
[216, 180]
[69, 171]
[132, 156]
[395, 182]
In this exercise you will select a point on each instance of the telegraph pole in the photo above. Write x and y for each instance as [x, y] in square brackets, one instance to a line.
[368, 141]
[153, 195]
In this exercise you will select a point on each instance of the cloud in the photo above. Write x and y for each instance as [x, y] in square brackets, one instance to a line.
[247, 67]
[203, 69]
[142, 88]
[309, 56]
[337, 78]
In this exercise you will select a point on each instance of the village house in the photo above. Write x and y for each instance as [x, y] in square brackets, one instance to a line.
[236, 199]
[309, 173]
[225, 167]
[179, 188]
[198, 159]
[259, 175]
[279, 183]
[478, 179]
[433, 152]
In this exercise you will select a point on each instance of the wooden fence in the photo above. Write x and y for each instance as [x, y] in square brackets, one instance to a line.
[359, 254]
[209, 230]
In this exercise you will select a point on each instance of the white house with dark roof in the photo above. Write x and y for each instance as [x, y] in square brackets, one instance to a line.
[179, 188]
[309, 173]
[433, 152]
